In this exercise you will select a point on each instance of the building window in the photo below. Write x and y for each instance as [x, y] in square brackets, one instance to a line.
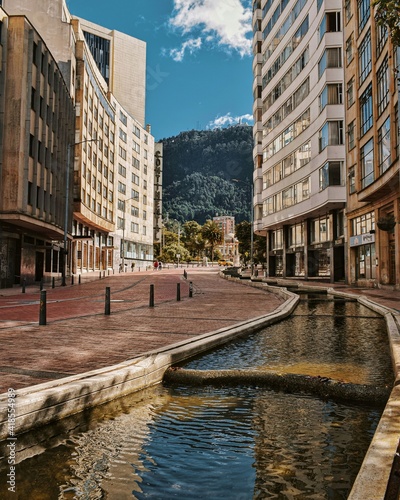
[364, 57]
[384, 156]
[330, 175]
[347, 10]
[350, 92]
[277, 239]
[120, 223]
[319, 230]
[349, 49]
[121, 188]
[367, 164]
[123, 118]
[366, 113]
[351, 135]
[134, 194]
[383, 86]
[134, 227]
[364, 11]
[122, 135]
[332, 94]
[331, 58]
[352, 180]
[330, 23]
[331, 134]
[121, 170]
[381, 38]
[363, 224]
[122, 152]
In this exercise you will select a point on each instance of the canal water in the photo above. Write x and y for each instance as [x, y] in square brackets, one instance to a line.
[225, 442]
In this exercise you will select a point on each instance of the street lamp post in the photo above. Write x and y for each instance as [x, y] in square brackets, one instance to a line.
[251, 223]
[69, 146]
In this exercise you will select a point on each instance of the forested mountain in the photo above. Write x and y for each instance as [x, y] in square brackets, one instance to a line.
[198, 170]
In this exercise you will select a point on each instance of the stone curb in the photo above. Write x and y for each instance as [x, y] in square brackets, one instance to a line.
[51, 401]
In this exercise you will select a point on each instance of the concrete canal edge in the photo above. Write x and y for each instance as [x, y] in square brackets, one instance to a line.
[373, 477]
[42, 404]
[51, 401]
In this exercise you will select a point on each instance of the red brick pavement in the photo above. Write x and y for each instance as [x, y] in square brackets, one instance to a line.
[78, 336]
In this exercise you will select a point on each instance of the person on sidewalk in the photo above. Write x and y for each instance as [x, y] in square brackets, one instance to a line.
[155, 265]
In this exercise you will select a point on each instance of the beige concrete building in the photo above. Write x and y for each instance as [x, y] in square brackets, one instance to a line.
[111, 155]
[299, 152]
[372, 149]
[122, 62]
[37, 124]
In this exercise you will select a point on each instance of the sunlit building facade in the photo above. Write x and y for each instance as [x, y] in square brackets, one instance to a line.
[372, 153]
[37, 122]
[109, 152]
[299, 152]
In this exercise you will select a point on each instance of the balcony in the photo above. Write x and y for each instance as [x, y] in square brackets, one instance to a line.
[384, 186]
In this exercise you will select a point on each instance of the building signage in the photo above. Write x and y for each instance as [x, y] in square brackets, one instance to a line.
[362, 239]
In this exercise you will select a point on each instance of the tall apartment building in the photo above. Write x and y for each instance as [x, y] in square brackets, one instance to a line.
[372, 148]
[111, 154]
[299, 152]
[37, 123]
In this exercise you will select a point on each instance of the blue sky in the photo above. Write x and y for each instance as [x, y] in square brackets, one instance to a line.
[199, 58]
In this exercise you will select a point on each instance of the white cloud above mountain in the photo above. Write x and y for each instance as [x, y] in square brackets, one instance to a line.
[229, 120]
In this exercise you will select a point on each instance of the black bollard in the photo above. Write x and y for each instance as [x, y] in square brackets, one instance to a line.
[151, 302]
[23, 285]
[107, 310]
[185, 274]
[178, 292]
[72, 279]
[42, 308]
[79, 279]
[190, 289]
[100, 275]
[53, 282]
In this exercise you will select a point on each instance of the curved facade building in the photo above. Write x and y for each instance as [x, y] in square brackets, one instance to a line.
[299, 152]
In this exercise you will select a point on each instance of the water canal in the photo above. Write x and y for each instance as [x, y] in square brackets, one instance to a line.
[226, 442]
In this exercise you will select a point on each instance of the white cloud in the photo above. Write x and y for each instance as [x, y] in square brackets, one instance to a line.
[190, 45]
[224, 22]
[228, 120]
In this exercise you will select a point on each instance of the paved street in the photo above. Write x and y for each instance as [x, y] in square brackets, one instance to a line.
[78, 336]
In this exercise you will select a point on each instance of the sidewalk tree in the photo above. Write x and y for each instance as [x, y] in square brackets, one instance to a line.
[243, 234]
[212, 234]
[192, 236]
[170, 252]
